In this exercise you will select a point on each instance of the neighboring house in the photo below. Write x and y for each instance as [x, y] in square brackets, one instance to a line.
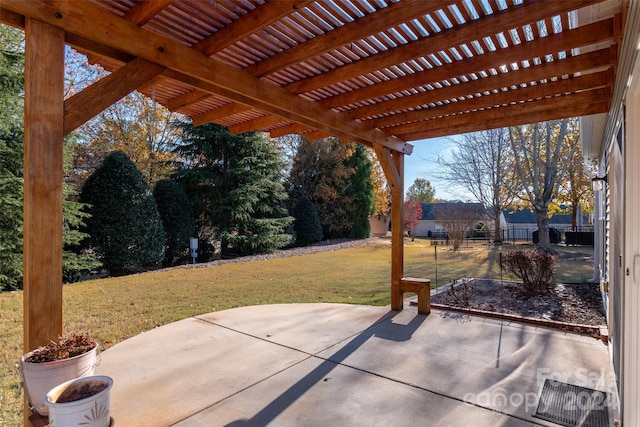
[431, 224]
[521, 224]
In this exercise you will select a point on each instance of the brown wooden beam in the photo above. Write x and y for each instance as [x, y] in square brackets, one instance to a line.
[88, 103]
[575, 64]
[372, 23]
[43, 175]
[289, 130]
[564, 41]
[393, 167]
[259, 17]
[413, 119]
[490, 25]
[220, 112]
[145, 10]
[219, 78]
[255, 124]
[554, 109]
[188, 98]
[397, 232]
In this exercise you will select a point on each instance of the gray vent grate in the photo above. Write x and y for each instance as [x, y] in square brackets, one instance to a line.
[572, 406]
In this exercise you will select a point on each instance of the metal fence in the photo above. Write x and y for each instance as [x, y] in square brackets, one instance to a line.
[518, 234]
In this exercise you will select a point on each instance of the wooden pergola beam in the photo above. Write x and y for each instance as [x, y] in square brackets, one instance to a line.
[260, 17]
[384, 19]
[574, 64]
[490, 25]
[258, 123]
[220, 112]
[288, 130]
[566, 40]
[584, 83]
[146, 10]
[191, 97]
[43, 176]
[80, 18]
[92, 100]
[535, 111]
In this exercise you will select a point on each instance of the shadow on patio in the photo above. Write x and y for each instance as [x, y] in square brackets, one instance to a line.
[334, 364]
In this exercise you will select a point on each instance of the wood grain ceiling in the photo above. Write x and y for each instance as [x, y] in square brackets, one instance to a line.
[379, 72]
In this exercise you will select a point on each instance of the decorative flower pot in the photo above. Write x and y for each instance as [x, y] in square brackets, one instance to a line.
[39, 378]
[81, 402]
[379, 225]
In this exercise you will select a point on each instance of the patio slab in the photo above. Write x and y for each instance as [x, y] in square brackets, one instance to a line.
[337, 364]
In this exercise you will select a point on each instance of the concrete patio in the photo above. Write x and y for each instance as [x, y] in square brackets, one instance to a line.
[344, 365]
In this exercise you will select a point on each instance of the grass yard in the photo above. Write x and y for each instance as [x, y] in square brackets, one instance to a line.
[115, 309]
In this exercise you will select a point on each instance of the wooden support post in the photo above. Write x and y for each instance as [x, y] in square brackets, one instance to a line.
[397, 232]
[43, 174]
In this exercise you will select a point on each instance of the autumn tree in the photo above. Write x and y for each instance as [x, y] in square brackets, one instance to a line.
[541, 159]
[321, 171]
[135, 125]
[458, 219]
[412, 214]
[575, 189]
[381, 192]
[421, 191]
[481, 164]
[235, 186]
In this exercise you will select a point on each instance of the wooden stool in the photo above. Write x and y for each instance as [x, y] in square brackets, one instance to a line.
[422, 287]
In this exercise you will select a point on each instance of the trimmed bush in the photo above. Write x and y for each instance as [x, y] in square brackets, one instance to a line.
[178, 220]
[534, 268]
[307, 224]
[125, 229]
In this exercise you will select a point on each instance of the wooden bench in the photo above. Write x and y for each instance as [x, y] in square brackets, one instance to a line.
[421, 287]
[38, 420]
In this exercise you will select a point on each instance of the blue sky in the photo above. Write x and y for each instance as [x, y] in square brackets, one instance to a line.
[423, 163]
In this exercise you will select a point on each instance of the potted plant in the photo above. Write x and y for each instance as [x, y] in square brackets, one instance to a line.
[81, 402]
[48, 366]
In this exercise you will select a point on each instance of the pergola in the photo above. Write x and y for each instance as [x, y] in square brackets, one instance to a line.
[376, 72]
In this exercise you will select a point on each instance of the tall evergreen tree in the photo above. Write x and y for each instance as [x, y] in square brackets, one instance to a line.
[360, 190]
[125, 228]
[11, 137]
[307, 224]
[177, 219]
[75, 261]
[235, 184]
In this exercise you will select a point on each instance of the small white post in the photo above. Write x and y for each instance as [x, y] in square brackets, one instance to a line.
[193, 246]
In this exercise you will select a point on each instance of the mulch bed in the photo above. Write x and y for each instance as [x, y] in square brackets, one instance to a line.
[569, 304]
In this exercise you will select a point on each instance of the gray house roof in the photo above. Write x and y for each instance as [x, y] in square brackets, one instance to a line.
[527, 216]
[430, 210]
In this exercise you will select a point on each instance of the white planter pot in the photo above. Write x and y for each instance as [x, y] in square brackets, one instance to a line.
[90, 411]
[379, 225]
[39, 378]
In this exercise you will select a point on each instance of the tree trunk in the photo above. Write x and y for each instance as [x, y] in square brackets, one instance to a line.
[544, 243]
[497, 238]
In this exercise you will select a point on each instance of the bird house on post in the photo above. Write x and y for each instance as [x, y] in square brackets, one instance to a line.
[193, 246]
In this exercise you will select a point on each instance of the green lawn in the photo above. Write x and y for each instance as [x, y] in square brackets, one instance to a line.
[115, 309]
